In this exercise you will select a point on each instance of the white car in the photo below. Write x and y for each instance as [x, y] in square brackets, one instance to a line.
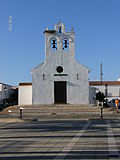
[111, 103]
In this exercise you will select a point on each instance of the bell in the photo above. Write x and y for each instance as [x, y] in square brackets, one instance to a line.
[53, 46]
[60, 31]
[66, 46]
[53, 41]
[66, 41]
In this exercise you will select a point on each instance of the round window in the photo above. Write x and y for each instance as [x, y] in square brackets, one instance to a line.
[59, 69]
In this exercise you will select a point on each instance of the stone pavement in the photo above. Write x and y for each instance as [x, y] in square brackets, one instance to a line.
[60, 139]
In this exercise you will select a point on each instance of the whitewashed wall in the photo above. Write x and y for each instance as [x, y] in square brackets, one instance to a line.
[77, 88]
[113, 91]
[92, 95]
[25, 95]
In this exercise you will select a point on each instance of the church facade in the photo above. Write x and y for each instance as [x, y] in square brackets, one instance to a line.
[60, 79]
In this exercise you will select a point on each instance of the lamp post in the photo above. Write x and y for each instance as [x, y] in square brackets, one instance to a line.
[5, 89]
[106, 93]
[101, 110]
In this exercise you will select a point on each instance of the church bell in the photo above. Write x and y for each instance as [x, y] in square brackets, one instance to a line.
[65, 43]
[54, 44]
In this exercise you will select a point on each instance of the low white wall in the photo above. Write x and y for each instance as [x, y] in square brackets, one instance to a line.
[25, 95]
[113, 91]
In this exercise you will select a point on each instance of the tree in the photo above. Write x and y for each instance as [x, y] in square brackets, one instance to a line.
[100, 96]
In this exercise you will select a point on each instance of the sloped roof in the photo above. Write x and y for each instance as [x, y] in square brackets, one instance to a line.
[5, 84]
[39, 65]
[49, 31]
[83, 66]
[99, 83]
[25, 84]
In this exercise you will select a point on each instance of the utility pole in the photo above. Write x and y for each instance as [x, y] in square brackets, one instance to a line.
[101, 73]
[10, 23]
[5, 89]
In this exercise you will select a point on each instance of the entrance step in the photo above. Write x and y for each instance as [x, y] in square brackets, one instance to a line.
[36, 111]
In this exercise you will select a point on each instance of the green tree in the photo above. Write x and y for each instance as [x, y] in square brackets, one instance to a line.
[100, 96]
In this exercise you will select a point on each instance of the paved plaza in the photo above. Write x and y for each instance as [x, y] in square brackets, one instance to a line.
[60, 139]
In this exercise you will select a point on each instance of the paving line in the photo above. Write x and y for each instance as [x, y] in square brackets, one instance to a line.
[113, 150]
[64, 152]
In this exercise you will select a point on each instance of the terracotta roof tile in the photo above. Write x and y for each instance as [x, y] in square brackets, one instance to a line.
[25, 84]
[98, 83]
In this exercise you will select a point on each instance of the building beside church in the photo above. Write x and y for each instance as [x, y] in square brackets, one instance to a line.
[59, 79]
[8, 94]
[25, 94]
[111, 89]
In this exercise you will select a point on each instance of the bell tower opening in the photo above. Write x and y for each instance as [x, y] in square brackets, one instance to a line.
[53, 44]
[59, 30]
[59, 44]
[65, 44]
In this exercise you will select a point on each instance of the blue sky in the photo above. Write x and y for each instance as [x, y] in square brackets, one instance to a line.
[96, 24]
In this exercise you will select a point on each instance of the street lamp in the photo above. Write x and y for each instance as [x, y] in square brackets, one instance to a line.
[5, 89]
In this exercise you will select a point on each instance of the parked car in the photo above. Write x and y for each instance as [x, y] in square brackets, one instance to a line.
[111, 103]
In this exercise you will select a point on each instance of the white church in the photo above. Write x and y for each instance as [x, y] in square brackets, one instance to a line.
[59, 79]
